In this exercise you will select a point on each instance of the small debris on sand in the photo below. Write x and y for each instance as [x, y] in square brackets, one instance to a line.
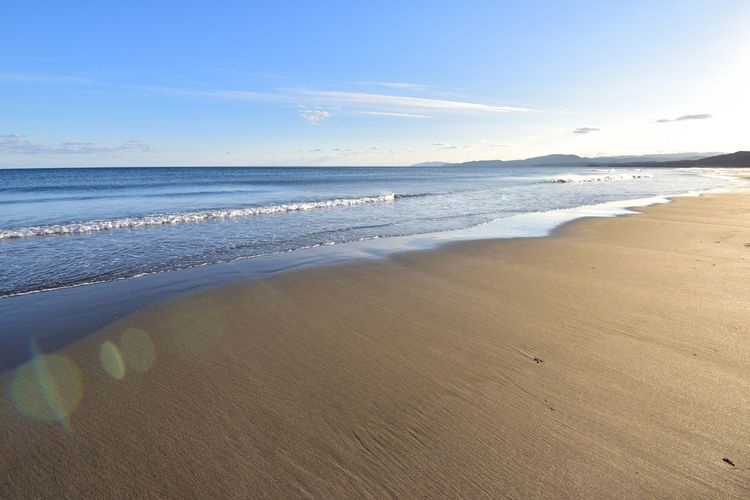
[725, 459]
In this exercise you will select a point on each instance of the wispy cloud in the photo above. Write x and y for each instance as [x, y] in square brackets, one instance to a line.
[237, 95]
[42, 79]
[397, 101]
[336, 154]
[700, 116]
[18, 144]
[444, 146]
[483, 143]
[314, 116]
[386, 104]
[398, 85]
[379, 103]
[586, 130]
[393, 113]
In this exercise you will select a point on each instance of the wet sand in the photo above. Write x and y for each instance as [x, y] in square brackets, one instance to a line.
[610, 360]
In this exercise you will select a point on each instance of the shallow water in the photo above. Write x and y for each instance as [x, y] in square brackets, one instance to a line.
[66, 227]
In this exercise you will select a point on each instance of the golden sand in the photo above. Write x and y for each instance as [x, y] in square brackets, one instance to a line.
[611, 360]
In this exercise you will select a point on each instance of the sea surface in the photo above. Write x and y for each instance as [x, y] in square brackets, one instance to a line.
[66, 227]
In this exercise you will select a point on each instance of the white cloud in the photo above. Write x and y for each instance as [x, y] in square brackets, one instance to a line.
[335, 98]
[393, 114]
[396, 101]
[701, 116]
[314, 116]
[443, 146]
[385, 104]
[18, 144]
[586, 130]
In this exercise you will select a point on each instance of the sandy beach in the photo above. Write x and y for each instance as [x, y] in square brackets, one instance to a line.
[609, 360]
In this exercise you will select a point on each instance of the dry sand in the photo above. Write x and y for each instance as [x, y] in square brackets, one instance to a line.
[416, 376]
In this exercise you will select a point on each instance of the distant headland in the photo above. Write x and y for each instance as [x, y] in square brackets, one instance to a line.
[737, 159]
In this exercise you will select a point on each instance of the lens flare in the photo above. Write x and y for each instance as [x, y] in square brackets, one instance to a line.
[111, 360]
[137, 350]
[47, 388]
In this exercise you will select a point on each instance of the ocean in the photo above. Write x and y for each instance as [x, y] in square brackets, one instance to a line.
[69, 227]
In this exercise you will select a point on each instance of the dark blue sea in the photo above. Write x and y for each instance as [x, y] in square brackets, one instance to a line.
[66, 227]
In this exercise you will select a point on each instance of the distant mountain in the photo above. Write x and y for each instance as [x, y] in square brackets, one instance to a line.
[538, 161]
[738, 159]
[431, 164]
[655, 157]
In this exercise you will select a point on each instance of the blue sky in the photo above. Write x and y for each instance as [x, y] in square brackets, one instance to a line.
[367, 83]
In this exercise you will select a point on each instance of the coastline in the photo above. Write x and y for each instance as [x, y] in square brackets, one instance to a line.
[55, 318]
[610, 358]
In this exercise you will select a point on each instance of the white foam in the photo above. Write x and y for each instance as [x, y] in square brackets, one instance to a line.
[186, 217]
[738, 174]
[599, 176]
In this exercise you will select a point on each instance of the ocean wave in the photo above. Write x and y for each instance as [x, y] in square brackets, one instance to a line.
[598, 176]
[188, 217]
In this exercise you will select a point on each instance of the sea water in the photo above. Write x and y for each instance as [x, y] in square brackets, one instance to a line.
[68, 227]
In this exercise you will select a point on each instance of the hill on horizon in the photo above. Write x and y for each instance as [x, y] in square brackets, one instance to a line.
[672, 160]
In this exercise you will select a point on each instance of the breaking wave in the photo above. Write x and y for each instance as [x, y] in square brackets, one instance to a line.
[600, 176]
[188, 217]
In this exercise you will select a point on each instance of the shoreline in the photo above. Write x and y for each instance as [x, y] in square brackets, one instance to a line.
[54, 318]
[610, 358]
